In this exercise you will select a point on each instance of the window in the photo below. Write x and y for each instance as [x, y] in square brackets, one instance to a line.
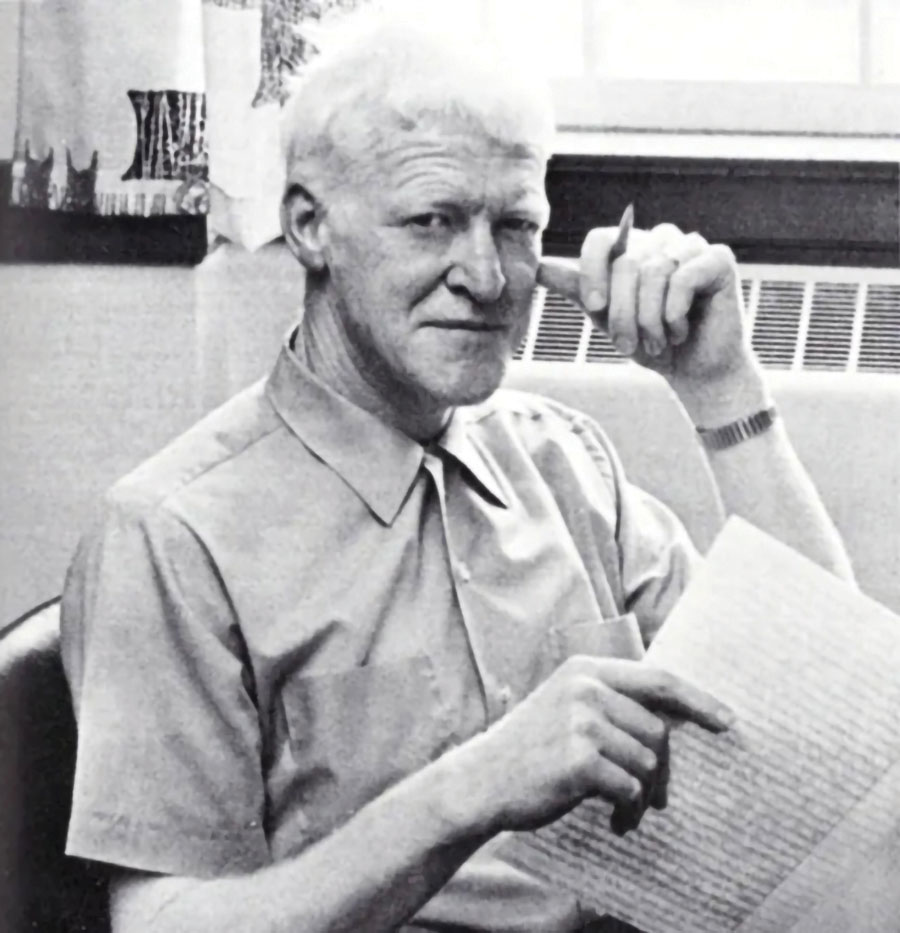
[782, 67]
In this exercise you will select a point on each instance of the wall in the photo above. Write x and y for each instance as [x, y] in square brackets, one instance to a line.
[99, 367]
[97, 370]
[9, 68]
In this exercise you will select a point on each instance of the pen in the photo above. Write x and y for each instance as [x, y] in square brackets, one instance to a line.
[625, 225]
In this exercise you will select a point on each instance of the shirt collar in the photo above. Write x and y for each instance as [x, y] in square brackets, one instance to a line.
[377, 461]
[457, 440]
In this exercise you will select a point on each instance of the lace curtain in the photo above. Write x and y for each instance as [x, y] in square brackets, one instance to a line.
[158, 108]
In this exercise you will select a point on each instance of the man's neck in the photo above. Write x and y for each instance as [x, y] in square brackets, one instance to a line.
[326, 350]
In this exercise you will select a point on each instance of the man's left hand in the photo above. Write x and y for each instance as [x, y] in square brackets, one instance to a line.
[671, 301]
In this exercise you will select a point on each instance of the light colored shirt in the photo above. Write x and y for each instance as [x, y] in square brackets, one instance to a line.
[294, 605]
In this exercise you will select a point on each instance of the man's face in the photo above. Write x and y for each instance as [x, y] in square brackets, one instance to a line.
[433, 249]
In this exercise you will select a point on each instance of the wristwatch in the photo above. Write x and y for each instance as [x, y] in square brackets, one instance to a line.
[728, 435]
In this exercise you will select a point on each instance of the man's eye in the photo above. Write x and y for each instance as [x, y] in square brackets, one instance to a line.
[519, 225]
[430, 221]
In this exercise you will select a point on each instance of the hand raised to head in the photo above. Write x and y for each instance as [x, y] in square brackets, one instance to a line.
[669, 300]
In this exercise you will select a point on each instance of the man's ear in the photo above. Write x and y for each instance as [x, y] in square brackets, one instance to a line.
[302, 219]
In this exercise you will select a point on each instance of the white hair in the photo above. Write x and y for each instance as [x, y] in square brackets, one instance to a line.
[383, 70]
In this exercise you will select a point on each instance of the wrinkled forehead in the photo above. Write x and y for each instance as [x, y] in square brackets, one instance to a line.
[459, 149]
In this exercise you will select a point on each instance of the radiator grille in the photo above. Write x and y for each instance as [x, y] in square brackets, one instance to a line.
[559, 332]
[879, 349]
[776, 324]
[829, 338]
[802, 318]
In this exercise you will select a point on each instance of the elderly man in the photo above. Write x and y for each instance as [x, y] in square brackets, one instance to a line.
[332, 643]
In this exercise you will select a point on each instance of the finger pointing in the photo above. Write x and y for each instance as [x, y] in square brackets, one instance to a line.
[657, 689]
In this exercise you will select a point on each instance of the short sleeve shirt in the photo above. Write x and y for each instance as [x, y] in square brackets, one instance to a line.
[294, 605]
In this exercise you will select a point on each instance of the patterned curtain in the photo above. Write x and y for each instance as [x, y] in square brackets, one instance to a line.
[156, 107]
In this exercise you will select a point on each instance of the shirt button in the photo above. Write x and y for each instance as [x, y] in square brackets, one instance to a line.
[505, 695]
[464, 573]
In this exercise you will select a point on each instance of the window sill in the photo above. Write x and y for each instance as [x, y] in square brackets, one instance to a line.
[673, 144]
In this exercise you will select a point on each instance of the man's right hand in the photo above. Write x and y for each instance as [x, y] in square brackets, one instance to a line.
[594, 728]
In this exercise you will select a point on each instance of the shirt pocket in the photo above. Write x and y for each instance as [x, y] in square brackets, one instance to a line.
[355, 732]
[618, 637]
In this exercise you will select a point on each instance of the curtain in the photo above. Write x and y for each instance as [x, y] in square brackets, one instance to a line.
[160, 107]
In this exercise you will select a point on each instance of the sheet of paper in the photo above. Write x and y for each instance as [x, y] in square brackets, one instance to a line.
[767, 821]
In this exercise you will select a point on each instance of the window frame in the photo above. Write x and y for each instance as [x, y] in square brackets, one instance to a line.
[757, 108]
[861, 109]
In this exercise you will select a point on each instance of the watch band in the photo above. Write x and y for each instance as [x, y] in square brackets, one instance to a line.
[737, 431]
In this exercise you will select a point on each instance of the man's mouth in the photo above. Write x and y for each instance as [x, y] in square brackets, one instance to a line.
[477, 326]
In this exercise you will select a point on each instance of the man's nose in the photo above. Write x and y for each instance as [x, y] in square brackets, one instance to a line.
[476, 267]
